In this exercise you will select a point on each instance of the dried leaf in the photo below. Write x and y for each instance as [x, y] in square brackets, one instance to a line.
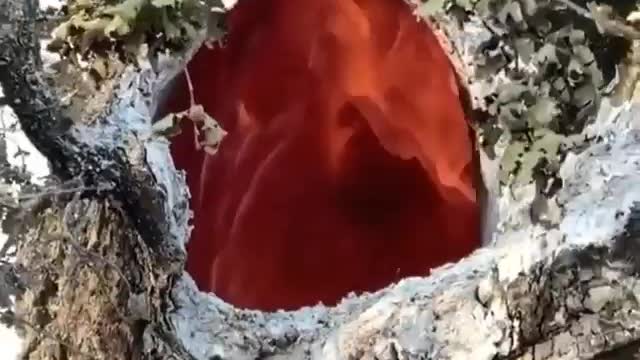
[168, 126]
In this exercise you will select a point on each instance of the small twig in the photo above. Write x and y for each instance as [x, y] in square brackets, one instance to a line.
[58, 191]
[192, 98]
[192, 105]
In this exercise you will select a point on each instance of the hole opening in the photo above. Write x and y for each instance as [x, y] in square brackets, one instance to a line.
[349, 162]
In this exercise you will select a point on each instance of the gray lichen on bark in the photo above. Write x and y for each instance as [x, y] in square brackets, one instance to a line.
[105, 266]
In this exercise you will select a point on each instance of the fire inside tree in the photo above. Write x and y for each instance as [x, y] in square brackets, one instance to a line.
[348, 163]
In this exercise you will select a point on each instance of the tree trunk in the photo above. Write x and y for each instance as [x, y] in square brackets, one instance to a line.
[558, 123]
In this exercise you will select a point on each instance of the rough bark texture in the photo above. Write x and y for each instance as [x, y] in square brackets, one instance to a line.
[104, 266]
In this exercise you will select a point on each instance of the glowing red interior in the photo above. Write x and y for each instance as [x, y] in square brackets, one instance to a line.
[348, 164]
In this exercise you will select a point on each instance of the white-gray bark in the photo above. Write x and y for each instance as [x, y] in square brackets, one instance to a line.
[558, 280]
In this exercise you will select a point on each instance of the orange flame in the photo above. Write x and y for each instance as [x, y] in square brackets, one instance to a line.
[348, 163]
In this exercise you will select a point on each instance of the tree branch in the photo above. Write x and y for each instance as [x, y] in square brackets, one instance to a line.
[109, 155]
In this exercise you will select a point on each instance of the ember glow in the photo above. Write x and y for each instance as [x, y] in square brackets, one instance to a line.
[348, 164]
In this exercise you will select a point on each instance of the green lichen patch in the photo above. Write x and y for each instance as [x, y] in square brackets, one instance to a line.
[539, 76]
[102, 33]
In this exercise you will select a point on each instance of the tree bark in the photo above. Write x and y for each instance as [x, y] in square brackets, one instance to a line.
[103, 267]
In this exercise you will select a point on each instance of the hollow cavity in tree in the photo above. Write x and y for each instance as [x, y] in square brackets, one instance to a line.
[348, 163]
